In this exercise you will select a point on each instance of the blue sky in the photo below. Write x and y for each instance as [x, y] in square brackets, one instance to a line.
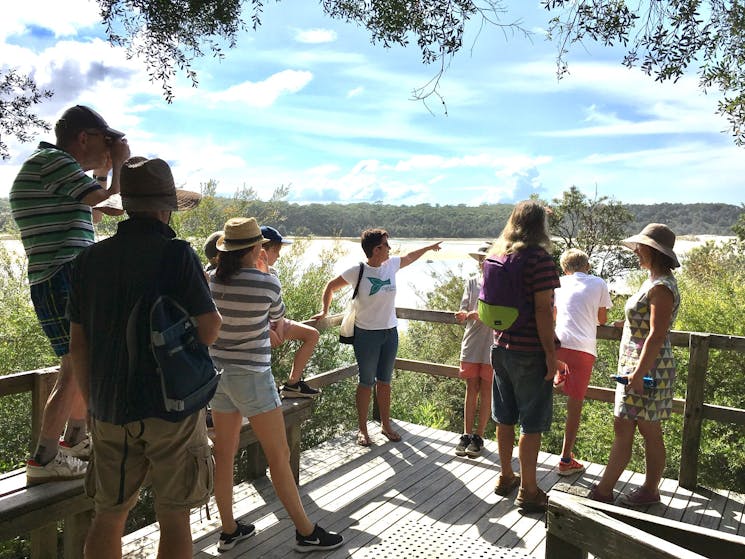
[308, 102]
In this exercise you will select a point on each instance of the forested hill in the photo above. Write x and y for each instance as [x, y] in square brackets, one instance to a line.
[688, 219]
[427, 221]
[485, 221]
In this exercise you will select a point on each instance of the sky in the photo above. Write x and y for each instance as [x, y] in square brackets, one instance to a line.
[309, 103]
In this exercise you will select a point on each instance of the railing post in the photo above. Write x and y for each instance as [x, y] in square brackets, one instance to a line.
[698, 362]
[43, 386]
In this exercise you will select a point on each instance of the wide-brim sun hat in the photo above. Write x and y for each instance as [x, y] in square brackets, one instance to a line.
[240, 232]
[481, 252]
[148, 185]
[657, 236]
[210, 245]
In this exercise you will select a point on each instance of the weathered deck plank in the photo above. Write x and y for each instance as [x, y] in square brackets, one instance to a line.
[371, 493]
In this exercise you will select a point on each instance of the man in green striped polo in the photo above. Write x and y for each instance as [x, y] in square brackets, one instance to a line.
[51, 200]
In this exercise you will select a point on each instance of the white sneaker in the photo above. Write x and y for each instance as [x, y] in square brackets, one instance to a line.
[81, 450]
[61, 468]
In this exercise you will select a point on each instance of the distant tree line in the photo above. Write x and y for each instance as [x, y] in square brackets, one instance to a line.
[436, 221]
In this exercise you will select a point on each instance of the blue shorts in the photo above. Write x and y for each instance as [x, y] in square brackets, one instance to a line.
[248, 392]
[519, 392]
[50, 303]
[375, 351]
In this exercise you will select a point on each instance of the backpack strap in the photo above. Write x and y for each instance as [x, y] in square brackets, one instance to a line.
[359, 279]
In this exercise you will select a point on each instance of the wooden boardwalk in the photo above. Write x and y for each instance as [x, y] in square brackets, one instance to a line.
[417, 499]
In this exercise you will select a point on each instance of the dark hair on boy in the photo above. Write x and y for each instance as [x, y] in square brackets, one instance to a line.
[371, 238]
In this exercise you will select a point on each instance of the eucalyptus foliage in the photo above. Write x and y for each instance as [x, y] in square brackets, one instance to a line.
[18, 95]
[666, 39]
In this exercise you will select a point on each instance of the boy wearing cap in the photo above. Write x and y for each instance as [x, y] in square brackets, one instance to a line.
[134, 437]
[475, 363]
[286, 329]
[51, 201]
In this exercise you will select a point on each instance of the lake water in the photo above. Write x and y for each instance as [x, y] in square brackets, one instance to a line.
[418, 277]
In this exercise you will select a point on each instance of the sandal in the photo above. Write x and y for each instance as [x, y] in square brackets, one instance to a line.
[641, 497]
[363, 439]
[391, 435]
[537, 503]
[505, 486]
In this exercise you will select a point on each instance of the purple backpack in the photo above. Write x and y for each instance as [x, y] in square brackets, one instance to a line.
[503, 303]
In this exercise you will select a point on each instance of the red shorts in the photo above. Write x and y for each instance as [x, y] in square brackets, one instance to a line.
[476, 370]
[580, 369]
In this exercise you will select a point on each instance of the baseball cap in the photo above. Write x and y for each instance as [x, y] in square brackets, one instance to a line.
[80, 117]
[271, 234]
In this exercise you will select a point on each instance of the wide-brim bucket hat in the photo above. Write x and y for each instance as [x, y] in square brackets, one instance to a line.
[481, 252]
[148, 185]
[657, 236]
[240, 232]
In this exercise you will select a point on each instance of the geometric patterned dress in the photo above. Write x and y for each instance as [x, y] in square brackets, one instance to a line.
[656, 403]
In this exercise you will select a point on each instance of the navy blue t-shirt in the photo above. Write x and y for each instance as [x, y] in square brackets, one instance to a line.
[108, 279]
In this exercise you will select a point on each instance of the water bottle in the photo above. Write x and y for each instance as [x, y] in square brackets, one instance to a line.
[649, 382]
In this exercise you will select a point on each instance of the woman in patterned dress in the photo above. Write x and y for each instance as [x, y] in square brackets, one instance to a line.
[645, 351]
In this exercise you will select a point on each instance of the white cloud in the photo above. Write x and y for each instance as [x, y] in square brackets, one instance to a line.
[62, 19]
[355, 92]
[315, 36]
[264, 93]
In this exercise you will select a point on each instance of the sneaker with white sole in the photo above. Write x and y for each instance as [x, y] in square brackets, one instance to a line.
[228, 541]
[475, 447]
[81, 450]
[571, 467]
[319, 540]
[460, 448]
[61, 468]
[298, 390]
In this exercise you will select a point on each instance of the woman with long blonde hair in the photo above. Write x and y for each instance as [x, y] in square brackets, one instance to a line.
[524, 357]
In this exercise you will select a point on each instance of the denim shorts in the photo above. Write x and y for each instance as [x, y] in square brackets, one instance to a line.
[50, 303]
[520, 395]
[375, 351]
[248, 392]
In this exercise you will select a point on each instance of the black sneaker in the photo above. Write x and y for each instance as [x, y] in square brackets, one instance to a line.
[460, 448]
[474, 449]
[228, 541]
[298, 390]
[319, 540]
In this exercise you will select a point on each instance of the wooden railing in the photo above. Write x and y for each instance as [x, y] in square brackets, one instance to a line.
[576, 526]
[693, 407]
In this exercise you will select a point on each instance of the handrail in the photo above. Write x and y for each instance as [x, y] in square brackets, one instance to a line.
[694, 407]
[576, 526]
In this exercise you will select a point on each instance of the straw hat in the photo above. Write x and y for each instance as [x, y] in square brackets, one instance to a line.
[659, 237]
[240, 232]
[147, 185]
[481, 252]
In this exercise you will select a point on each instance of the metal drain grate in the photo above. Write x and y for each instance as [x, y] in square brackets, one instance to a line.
[416, 541]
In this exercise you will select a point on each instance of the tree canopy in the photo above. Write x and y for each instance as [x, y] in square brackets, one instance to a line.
[666, 38]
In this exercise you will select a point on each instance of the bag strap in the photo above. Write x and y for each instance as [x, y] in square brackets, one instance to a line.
[359, 279]
[151, 293]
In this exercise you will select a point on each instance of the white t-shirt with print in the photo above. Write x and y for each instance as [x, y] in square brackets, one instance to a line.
[577, 302]
[376, 304]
